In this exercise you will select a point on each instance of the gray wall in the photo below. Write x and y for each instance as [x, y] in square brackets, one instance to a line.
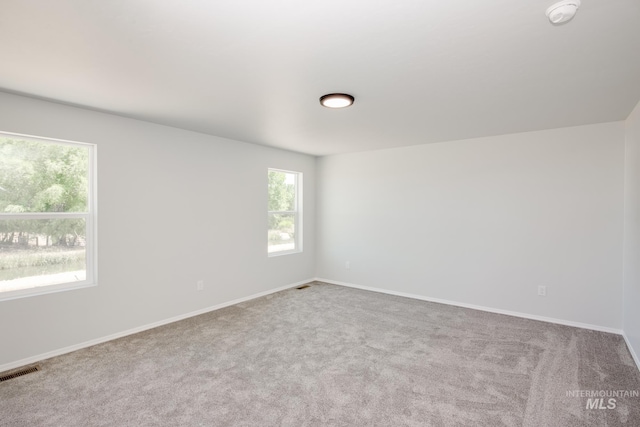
[632, 233]
[173, 207]
[483, 222]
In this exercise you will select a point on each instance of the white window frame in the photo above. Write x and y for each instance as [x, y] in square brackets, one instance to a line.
[297, 214]
[90, 217]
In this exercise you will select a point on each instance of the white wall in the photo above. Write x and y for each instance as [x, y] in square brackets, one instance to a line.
[174, 207]
[484, 222]
[632, 233]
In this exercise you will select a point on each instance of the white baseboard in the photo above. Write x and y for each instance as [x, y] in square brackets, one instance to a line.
[69, 349]
[58, 352]
[631, 350]
[478, 307]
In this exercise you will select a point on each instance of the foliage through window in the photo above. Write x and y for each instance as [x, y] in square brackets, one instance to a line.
[284, 212]
[47, 217]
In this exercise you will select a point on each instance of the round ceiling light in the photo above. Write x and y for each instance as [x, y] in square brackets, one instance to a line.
[563, 11]
[336, 100]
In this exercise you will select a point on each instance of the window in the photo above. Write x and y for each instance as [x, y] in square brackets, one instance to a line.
[285, 212]
[47, 215]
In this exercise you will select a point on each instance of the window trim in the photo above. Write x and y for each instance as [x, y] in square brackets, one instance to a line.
[90, 217]
[298, 216]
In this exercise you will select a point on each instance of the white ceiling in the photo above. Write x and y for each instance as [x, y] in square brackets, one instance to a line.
[422, 71]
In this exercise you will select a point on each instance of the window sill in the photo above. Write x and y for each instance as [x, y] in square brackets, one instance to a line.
[43, 290]
[279, 253]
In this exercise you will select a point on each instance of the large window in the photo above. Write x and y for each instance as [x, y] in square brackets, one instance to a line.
[285, 212]
[47, 215]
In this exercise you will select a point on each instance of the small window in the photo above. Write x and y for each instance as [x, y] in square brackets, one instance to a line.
[284, 212]
[47, 215]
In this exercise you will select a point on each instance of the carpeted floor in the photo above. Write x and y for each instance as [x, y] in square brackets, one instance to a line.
[334, 356]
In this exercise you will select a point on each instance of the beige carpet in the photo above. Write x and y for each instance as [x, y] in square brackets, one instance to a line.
[334, 356]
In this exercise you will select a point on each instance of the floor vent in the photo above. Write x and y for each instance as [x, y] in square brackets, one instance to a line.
[8, 376]
[303, 287]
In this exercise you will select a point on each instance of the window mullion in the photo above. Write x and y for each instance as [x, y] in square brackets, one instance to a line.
[43, 215]
[281, 212]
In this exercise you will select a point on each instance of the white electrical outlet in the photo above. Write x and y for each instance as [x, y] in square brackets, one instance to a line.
[347, 265]
[200, 285]
[542, 291]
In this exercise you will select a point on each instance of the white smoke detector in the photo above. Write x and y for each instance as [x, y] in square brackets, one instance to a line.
[563, 11]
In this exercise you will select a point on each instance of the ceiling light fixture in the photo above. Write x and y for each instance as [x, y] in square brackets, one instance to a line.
[563, 11]
[336, 100]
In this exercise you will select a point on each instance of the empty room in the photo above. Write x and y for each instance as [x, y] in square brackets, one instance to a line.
[340, 213]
